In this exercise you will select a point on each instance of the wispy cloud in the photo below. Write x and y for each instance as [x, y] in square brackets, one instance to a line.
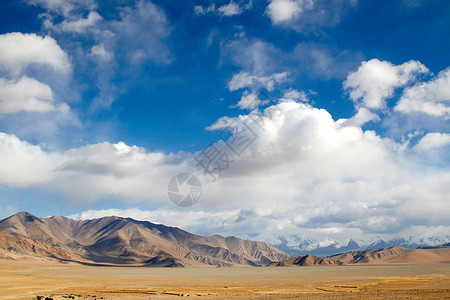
[225, 10]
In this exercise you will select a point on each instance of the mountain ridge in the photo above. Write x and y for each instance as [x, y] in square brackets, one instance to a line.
[117, 240]
[392, 255]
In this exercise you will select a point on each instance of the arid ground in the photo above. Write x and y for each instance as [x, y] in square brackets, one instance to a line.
[30, 279]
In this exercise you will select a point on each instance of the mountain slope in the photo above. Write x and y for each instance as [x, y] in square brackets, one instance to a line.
[126, 241]
[14, 247]
[307, 260]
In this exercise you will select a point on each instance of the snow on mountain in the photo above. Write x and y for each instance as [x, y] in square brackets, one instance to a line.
[297, 245]
[411, 242]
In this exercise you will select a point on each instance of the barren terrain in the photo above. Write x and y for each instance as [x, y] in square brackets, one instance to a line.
[29, 278]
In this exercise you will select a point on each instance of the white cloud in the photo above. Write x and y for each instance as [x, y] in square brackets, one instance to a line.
[255, 56]
[376, 80]
[78, 25]
[230, 9]
[310, 132]
[24, 164]
[299, 149]
[18, 50]
[64, 7]
[226, 10]
[249, 101]
[327, 172]
[116, 170]
[99, 50]
[71, 12]
[304, 172]
[296, 95]
[199, 10]
[362, 116]
[166, 215]
[308, 15]
[284, 10]
[91, 172]
[432, 97]
[433, 140]
[28, 107]
[245, 79]
[25, 94]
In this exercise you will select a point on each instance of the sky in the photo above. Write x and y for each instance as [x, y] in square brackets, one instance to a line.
[321, 119]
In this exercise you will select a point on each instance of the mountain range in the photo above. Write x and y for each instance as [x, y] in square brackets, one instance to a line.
[393, 255]
[116, 241]
[125, 241]
[298, 246]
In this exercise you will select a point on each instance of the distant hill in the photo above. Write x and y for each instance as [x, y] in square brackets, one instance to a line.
[393, 255]
[436, 247]
[125, 241]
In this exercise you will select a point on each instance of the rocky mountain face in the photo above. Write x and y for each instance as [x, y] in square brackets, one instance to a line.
[370, 256]
[115, 240]
[12, 246]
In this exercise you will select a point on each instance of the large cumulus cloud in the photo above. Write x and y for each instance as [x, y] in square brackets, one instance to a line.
[304, 172]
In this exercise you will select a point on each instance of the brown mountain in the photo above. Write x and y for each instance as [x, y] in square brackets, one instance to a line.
[115, 240]
[393, 255]
[307, 260]
[396, 255]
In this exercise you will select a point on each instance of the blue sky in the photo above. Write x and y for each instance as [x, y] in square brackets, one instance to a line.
[102, 102]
